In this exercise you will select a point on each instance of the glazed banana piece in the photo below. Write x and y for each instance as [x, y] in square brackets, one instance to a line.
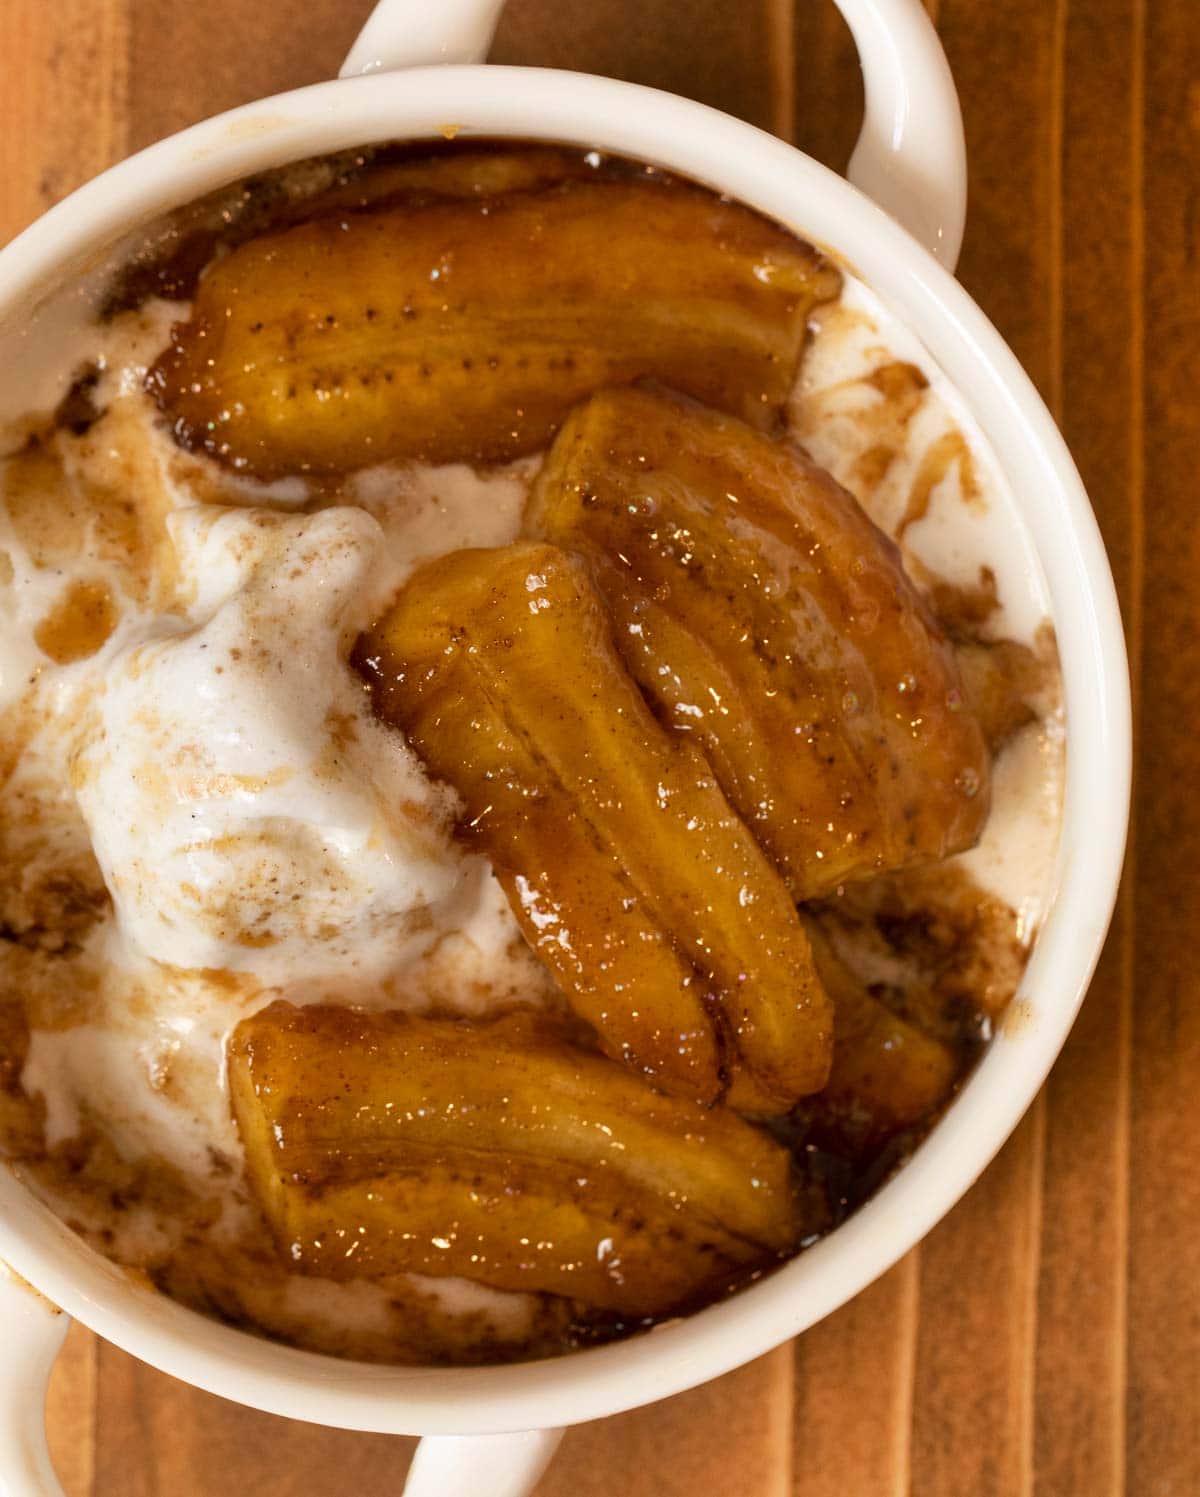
[772, 622]
[464, 328]
[577, 907]
[416, 177]
[1003, 680]
[493, 1150]
[887, 1075]
[609, 834]
[954, 953]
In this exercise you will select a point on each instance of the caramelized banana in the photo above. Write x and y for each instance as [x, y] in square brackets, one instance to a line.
[576, 905]
[384, 1144]
[954, 952]
[767, 617]
[610, 835]
[1002, 679]
[465, 329]
[463, 171]
[887, 1075]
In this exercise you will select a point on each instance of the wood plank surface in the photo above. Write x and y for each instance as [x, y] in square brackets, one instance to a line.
[1045, 1339]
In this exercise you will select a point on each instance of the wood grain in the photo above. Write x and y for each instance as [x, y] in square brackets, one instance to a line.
[63, 114]
[155, 1436]
[731, 1436]
[1082, 1302]
[1045, 1340]
[1164, 1317]
[972, 1418]
[853, 1402]
[730, 67]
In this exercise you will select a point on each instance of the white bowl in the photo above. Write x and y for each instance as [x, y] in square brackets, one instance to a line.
[910, 156]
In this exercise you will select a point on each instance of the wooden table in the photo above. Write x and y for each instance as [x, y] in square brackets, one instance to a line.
[1047, 1335]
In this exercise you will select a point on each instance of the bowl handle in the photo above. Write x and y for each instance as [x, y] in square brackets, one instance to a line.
[33, 1335]
[466, 1465]
[411, 33]
[910, 157]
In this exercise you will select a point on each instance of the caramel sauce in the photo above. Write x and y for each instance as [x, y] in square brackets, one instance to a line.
[939, 458]
[94, 494]
[893, 391]
[55, 519]
[79, 623]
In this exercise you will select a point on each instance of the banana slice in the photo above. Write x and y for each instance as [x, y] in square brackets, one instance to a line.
[623, 861]
[464, 329]
[768, 619]
[887, 1075]
[494, 1151]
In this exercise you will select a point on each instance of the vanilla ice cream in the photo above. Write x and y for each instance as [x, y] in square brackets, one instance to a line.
[247, 811]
